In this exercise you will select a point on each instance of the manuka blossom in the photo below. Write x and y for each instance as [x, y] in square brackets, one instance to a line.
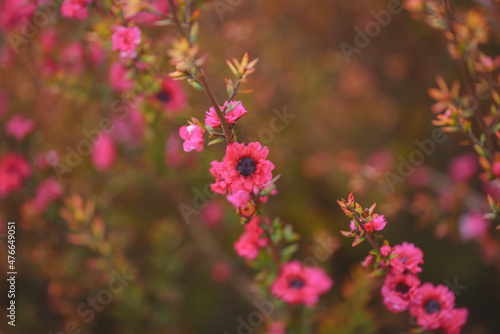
[298, 284]
[243, 168]
[48, 191]
[408, 260]
[119, 77]
[171, 95]
[13, 170]
[19, 127]
[126, 40]
[148, 18]
[463, 167]
[376, 224]
[433, 307]
[250, 241]
[103, 153]
[231, 117]
[75, 9]
[397, 290]
[193, 137]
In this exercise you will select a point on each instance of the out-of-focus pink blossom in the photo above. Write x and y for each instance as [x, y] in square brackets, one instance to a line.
[173, 155]
[212, 214]
[463, 167]
[171, 95]
[129, 130]
[420, 177]
[48, 191]
[193, 136]
[19, 127]
[15, 13]
[239, 199]
[72, 58]
[13, 170]
[103, 153]
[221, 272]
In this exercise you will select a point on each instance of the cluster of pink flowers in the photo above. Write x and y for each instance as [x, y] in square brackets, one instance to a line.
[126, 40]
[243, 168]
[251, 240]
[75, 9]
[236, 110]
[14, 169]
[433, 307]
[298, 284]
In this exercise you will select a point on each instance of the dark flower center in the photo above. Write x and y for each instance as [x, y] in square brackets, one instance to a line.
[403, 288]
[163, 96]
[432, 306]
[246, 166]
[296, 283]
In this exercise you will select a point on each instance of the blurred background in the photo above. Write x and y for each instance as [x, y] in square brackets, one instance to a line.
[333, 125]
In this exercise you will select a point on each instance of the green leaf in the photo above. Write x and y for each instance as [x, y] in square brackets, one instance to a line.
[216, 141]
[165, 22]
[194, 32]
[357, 241]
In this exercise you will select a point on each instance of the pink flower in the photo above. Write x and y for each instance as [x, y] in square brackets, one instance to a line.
[385, 250]
[496, 169]
[463, 167]
[119, 77]
[221, 272]
[103, 153]
[171, 95]
[376, 224]
[48, 191]
[148, 18]
[231, 117]
[13, 170]
[472, 226]
[432, 306]
[250, 241]
[243, 168]
[19, 127]
[397, 290]
[239, 199]
[172, 151]
[75, 9]
[72, 57]
[126, 40]
[14, 13]
[408, 260]
[212, 214]
[455, 321]
[297, 284]
[129, 130]
[193, 137]
[276, 327]
[44, 160]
